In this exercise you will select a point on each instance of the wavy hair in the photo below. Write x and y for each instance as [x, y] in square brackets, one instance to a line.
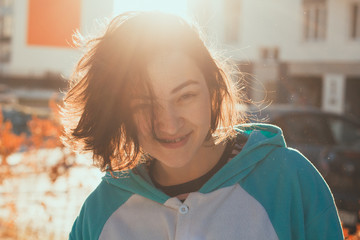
[96, 113]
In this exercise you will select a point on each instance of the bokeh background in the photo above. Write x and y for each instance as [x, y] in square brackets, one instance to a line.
[298, 52]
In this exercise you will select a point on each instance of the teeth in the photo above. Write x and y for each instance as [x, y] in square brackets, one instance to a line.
[172, 140]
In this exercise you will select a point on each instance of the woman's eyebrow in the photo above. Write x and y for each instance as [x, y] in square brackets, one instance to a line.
[184, 84]
[141, 97]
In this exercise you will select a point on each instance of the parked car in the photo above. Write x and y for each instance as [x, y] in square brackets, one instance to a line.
[331, 142]
[18, 119]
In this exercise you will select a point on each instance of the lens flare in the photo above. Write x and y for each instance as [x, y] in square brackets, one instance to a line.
[178, 7]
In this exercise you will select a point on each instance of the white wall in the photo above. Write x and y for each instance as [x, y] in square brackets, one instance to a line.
[264, 23]
[279, 23]
[337, 46]
[37, 60]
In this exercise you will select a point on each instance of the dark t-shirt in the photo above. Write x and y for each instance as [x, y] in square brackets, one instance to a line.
[181, 191]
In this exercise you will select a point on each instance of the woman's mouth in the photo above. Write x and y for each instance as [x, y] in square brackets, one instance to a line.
[174, 142]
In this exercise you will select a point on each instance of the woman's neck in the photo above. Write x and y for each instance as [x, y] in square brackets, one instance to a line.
[203, 161]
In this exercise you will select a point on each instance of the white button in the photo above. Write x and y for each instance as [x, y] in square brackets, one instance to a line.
[183, 209]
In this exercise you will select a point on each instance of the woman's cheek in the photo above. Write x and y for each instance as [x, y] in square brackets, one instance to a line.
[143, 124]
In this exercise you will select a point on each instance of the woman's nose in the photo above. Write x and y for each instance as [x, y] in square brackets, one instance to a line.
[168, 121]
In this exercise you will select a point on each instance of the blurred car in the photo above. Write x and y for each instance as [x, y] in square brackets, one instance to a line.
[331, 142]
[18, 119]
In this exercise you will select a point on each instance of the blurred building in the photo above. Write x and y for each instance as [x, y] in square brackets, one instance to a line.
[36, 45]
[299, 51]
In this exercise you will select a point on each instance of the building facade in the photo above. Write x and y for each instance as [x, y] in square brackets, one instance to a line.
[301, 51]
[37, 51]
[36, 36]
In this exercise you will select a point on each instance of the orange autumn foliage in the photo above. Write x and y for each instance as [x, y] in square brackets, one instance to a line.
[45, 132]
[354, 236]
[9, 142]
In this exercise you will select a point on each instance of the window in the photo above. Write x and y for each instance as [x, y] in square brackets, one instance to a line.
[269, 53]
[232, 13]
[5, 52]
[314, 20]
[6, 19]
[355, 21]
[346, 133]
[5, 27]
[6, 3]
[305, 129]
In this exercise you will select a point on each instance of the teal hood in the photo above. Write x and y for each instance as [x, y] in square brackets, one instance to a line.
[266, 185]
[262, 140]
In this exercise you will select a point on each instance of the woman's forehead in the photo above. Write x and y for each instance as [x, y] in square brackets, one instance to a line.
[171, 71]
[165, 74]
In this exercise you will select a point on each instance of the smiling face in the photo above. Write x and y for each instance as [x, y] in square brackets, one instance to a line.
[176, 132]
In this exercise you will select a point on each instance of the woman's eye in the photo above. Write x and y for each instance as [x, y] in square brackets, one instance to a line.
[187, 96]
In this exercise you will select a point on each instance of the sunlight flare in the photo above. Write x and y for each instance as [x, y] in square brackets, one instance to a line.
[178, 7]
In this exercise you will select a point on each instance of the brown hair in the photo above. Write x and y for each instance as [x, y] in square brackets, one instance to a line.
[96, 113]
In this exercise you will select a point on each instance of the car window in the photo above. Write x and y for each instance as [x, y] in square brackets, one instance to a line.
[305, 129]
[344, 131]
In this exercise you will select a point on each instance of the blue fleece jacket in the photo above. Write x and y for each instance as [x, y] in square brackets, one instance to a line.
[268, 191]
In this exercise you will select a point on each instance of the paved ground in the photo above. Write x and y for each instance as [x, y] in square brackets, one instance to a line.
[40, 207]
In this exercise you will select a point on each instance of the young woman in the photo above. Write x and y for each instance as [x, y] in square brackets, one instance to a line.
[158, 113]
